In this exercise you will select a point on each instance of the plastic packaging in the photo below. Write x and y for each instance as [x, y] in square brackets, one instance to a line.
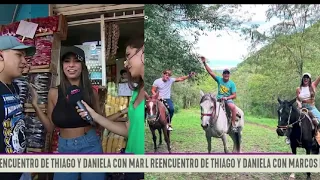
[42, 82]
[45, 25]
[22, 83]
[35, 132]
[43, 53]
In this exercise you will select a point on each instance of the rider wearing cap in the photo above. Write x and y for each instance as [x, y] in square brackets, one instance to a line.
[306, 97]
[226, 90]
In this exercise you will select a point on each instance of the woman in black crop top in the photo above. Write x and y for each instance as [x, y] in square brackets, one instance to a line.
[76, 135]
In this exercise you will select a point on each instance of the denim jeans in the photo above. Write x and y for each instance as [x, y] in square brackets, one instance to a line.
[86, 144]
[26, 176]
[313, 109]
[171, 108]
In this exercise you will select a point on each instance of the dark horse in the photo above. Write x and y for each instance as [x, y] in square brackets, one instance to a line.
[157, 116]
[300, 126]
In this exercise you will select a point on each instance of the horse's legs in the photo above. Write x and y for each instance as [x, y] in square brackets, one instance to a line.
[238, 140]
[308, 151]
[154, 138]
[166, 137]
[224, 141]
[160, 137]
[209, 143]
[293, 146]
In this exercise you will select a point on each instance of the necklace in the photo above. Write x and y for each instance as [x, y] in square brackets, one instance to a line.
[14, 96]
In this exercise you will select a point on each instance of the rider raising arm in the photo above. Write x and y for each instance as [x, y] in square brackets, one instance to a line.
[203, 59]
[163, 85]
[167, 76]
[226, 90]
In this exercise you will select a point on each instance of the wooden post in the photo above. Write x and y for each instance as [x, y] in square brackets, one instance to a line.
[103, 50]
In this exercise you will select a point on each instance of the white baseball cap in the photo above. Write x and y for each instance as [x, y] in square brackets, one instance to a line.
[306, 74]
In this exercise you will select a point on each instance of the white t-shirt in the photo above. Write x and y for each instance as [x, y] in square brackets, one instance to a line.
[164, 88]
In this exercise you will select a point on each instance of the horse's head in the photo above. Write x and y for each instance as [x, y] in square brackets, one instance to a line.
[208, 106]
[285, 115]
[151, 109]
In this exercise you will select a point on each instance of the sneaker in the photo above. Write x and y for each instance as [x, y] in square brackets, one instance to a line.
[169, 127]
[287, 140]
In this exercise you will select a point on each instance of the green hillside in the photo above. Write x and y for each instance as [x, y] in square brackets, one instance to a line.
[274, 72]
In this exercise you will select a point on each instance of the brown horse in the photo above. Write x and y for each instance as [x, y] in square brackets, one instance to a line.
[157, 116]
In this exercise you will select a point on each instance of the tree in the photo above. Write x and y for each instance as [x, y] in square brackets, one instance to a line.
[294, 21]
[166, 48]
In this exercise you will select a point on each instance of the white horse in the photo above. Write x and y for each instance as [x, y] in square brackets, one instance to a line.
[215, 123]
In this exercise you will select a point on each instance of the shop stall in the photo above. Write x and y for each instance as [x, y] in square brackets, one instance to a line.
[101, 31]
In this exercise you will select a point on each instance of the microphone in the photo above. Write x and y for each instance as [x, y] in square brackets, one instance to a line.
[74, 96]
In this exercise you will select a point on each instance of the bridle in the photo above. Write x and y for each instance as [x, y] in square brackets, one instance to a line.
[213, 116]
[153, 118]
[301, 116]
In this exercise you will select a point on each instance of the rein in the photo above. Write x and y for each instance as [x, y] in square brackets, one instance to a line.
[291, 125]
[301, 116]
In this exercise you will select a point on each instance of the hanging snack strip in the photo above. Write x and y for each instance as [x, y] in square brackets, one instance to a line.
[35, 132]
[22, 83]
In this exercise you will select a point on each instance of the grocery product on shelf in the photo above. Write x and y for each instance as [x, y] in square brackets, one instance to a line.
[51, 24]
[111, 142]
[46, 24]
[35, 132]
[42, 82]
[22, 83]
[43, 51]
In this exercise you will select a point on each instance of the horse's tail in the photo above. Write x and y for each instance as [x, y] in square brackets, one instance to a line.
[237, 138]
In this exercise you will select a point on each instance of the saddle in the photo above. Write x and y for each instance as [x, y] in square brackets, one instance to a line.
[227, 110]
[314, 123]
[165, 105]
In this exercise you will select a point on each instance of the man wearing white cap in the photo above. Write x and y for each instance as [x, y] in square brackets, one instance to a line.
[12, 65]
[306, 97]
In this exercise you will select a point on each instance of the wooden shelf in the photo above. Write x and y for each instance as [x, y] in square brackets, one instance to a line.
[44, 34]
[29, 106]
[31, 150]
[51, 68]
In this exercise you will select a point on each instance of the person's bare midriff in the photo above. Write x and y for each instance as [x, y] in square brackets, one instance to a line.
[69, 133]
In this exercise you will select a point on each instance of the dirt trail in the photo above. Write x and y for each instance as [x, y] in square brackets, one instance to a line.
[261, 125]
[177, 146]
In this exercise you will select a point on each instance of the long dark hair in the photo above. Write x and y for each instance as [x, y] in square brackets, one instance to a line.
[312, 92]
[85, 83]
[138, 43]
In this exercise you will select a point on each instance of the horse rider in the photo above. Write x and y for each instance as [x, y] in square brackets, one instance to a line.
[226, 91]
[306, 98]
[163, 86]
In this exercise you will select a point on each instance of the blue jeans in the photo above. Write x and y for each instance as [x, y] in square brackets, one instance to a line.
[86, 144]
[313, 109]
[171, 108]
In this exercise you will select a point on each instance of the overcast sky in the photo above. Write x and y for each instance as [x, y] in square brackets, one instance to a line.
[228, 50]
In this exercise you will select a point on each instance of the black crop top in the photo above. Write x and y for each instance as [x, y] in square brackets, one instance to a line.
[64, 115]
